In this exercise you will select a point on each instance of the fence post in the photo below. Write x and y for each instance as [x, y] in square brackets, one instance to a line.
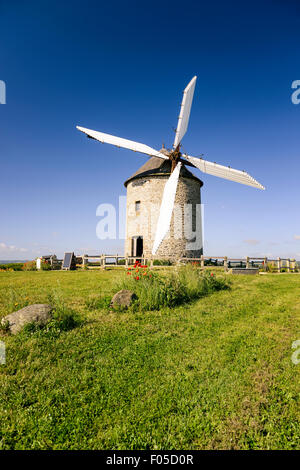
[265, 263]
[225, 263]
[202, 262]
[278, 264]
[288, 265]
[293, 265]
[247, 262]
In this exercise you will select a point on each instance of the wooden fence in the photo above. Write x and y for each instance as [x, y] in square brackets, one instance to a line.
[274, 265]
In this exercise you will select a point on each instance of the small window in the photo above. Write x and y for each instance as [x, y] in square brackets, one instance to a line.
[137, 206]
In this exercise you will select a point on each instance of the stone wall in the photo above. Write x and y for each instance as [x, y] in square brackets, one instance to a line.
[149, 191]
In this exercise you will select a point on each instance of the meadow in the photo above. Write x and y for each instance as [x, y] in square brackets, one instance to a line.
[212, 373]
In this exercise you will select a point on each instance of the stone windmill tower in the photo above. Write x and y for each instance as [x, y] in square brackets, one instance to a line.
[144, 195]
[163, 196]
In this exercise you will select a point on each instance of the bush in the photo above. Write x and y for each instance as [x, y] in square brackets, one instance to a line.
[29, 266]
[45, 266]
[271, 268]
[11, 267]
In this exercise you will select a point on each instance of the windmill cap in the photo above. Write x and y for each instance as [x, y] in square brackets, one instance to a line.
[158, 167]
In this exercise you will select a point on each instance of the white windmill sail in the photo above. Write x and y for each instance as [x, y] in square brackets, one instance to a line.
[119, 142]
[166, 208]
[185, 111]
[223, 172]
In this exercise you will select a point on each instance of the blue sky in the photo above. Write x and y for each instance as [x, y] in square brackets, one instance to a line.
[121, 68]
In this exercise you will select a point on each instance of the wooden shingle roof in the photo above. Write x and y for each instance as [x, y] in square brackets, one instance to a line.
[158, 167]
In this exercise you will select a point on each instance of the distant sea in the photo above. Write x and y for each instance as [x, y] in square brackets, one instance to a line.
[8, 261]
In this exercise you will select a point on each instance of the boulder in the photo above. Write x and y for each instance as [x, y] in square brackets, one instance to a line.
[123, 298]
[38, 313]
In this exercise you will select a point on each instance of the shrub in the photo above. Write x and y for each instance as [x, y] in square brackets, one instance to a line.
[29, 266]
[271, 268]
[45, 266]
[11, 267]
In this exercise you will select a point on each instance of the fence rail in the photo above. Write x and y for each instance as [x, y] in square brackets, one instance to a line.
[116, 260]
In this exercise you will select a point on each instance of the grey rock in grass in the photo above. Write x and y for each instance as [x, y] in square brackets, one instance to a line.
[123, 298]
[247, 271]
[38, 313]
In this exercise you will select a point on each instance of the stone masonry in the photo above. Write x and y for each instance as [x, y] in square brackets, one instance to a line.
[144, 196]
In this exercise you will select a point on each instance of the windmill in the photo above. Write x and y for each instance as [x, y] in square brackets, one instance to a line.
[176, 158]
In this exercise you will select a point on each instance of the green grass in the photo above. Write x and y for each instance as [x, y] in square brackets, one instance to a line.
[215, 373]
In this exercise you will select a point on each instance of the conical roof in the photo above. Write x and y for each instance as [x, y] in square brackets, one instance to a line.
[156, 166]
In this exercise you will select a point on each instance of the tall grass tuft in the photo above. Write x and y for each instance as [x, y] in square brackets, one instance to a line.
[184, 285]
[98, 302]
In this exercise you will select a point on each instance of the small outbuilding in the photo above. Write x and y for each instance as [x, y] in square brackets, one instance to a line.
[51, 259]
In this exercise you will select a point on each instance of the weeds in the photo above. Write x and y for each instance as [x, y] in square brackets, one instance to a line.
[186, 284]
[17, 300]
[4, 327]
[98, 303]
[63, 319]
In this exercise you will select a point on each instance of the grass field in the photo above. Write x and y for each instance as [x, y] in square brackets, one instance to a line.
[212, 374]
